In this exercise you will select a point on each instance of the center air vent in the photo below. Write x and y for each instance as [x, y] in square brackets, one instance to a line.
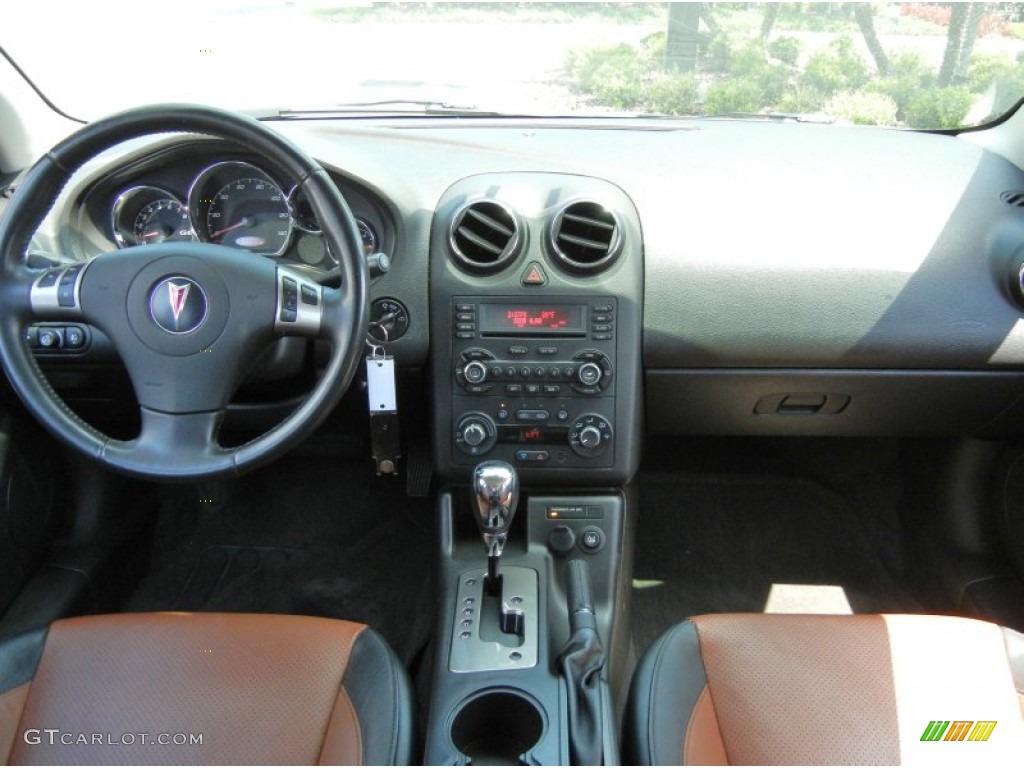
[1016, 199]
[484, 236]
[585, 236]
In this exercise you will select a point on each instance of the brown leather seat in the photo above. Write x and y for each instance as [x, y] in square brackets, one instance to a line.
[203, 688]
[759, 689]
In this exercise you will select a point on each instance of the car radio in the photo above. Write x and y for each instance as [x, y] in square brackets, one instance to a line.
[534, 380]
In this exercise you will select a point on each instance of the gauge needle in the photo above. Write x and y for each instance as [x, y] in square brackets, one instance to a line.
[147, 235]
[245, 222]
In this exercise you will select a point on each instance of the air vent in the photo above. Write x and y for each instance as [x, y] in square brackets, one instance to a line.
[585, 236]
[1016, 199]
[484, 236]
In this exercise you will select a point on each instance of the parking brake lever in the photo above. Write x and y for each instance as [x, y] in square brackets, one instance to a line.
[581, 662]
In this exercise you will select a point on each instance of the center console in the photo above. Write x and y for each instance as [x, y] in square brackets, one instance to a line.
[536, 290]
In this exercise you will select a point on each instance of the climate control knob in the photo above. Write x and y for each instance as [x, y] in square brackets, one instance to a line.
[475, 434]
[589, 374]
[475, 372]
[590, 435]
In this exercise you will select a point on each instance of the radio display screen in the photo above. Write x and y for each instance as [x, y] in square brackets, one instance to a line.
[533, 320]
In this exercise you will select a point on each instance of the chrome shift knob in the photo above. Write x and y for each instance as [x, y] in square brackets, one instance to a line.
[495, 496]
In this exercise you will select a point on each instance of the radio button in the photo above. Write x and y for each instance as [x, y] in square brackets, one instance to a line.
[464, 317]
[562, 415]
[464, 335]
[525, 371]
[496, 371]
[518, 349]
[547, 350]
[510, 372]
[601, 337]
[602, 327]
[570, 371]
[602, 319]
[540, 372]
[532, 389]
[555, 371]
[465, 327]
[552, 389]
[513, 389]
[470, 307]
[603, 308]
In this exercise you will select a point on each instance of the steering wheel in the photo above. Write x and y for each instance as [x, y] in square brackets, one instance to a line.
[186, 318]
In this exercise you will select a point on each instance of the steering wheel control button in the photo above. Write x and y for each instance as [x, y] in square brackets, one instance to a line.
[66, 286]
[74, 337]
[591, 539]
[49, 338]
[178, 305]
[293, 316]
[49, 279]
[289, 300]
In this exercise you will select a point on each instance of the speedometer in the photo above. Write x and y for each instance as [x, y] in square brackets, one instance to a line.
[237, 204]
[252, 214]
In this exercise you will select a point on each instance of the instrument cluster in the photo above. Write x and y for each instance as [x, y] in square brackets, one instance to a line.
[233, 203]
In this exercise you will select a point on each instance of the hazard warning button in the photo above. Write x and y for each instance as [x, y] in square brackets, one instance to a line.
[534, 274]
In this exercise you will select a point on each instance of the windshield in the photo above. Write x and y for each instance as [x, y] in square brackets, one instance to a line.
[937, 65]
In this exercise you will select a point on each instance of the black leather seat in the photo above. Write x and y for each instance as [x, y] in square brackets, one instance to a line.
[757, 689]
[203, 688]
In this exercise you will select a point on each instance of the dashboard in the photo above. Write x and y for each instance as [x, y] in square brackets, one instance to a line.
[764, 278]
[221, 196]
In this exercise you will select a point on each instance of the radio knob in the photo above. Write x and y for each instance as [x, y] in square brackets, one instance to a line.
[589, 374]
[475, 372]
[590, 437]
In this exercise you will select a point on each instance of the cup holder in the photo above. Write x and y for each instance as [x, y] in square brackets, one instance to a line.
[496, 727]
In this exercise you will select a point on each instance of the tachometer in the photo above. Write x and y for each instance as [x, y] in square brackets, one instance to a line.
[144, 215]
[161, 220]
[237, 204]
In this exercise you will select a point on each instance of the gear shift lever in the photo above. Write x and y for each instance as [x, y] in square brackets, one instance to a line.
[495, 496]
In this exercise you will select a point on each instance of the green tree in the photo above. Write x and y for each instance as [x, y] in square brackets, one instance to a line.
[964, 22]
[866, 21]
[682, 39]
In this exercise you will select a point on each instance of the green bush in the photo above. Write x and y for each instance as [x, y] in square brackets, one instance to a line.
[593, 66]
[733, 96]
[801, 101]
[836, 68]
[985, 68]
[909, 75]
[673, 94]
[863, 108]
[716, 55]
[785, 49]
[939, 108]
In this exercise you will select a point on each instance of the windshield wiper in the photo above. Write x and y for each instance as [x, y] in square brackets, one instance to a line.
[391, 107]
